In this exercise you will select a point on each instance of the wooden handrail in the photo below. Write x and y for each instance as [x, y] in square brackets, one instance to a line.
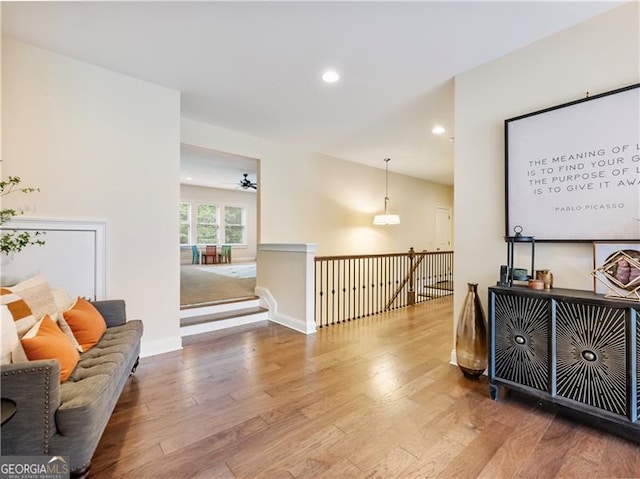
[377, 255]
[359, 256]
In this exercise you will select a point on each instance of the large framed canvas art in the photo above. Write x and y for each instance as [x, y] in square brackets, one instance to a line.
[573, 170]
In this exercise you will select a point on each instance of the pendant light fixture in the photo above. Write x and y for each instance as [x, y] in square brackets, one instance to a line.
[386, 218]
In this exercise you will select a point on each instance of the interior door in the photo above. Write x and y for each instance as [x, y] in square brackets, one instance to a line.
[443, 229]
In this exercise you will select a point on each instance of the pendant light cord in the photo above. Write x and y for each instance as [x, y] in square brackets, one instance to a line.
[386, 218]
[386, 188]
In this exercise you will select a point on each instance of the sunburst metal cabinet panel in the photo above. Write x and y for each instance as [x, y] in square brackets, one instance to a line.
[591, 355]
[521, 339]
[571, 348]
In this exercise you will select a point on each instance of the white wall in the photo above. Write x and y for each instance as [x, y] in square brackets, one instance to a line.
[284, 283]
[311, 198]
[199, 194]
[101, 146]
[597, 56]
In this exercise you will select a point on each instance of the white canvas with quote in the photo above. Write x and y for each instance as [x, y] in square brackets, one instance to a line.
[573, 171]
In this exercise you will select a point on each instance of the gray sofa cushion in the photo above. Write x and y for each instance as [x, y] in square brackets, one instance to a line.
[88, 396]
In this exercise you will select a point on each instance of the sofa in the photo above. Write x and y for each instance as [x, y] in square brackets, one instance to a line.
[68, 419]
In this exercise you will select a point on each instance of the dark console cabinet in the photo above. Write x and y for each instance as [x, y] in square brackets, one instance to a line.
[571, 348]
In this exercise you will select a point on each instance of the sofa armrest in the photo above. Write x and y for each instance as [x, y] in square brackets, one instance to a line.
[113, 311]
[35, 388]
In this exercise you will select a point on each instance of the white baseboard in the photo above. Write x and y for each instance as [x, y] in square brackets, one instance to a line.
[266, 300]
[293, 323]
[159, 346]
[269, 302]
[245, 259]
[453, 359]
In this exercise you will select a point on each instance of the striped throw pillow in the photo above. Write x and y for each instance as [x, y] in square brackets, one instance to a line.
[18, 309]
[37, 294]
[17, 319]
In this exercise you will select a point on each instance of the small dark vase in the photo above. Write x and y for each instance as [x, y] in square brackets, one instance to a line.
[471, 336]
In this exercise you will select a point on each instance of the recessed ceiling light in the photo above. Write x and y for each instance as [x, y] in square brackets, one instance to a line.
[330, 76]
[438, 130]
[189, 178]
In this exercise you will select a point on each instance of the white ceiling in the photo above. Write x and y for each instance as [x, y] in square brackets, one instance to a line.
[255, 67]
[215, 169]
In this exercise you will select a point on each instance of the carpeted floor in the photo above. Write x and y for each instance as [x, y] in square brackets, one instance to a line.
[240, 270]
[203, 286]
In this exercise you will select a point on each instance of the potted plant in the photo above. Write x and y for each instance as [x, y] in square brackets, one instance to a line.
[13, 241]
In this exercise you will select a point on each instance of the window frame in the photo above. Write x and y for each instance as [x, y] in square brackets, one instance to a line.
[187, 223]
[242, 224]
[215, 224]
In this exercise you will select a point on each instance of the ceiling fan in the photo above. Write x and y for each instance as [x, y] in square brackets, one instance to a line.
[246, 183]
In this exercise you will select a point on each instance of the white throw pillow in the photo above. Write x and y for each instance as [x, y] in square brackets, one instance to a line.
[37, 294]
[62, 299]
[10, 340]
[66, 329]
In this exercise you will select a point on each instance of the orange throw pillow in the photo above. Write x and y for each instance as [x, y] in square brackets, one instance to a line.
[86, 322]
[49, 342]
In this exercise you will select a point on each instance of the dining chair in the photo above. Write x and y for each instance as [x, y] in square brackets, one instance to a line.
[210, 251]
[225, 254]
[195, 255]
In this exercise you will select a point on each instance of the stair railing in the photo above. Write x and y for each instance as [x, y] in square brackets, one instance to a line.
[355, 286]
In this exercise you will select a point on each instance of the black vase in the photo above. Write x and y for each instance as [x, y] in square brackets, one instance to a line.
[471, 336]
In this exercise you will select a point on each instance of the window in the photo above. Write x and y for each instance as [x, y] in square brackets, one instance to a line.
[212, 224]
[206, 224]
[185, 223]
[234, 227]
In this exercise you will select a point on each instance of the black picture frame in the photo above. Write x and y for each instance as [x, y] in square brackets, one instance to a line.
[572, 171]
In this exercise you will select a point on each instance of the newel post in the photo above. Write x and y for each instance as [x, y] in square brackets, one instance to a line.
[411, 293]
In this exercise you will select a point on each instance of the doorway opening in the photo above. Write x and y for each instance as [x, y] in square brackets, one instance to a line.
[218, 226]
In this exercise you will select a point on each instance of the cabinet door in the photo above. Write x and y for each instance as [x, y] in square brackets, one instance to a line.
[521, 325]
[637, 359]
[591, 355]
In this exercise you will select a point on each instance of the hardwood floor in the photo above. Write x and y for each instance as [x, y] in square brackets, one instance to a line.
[373, 398]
